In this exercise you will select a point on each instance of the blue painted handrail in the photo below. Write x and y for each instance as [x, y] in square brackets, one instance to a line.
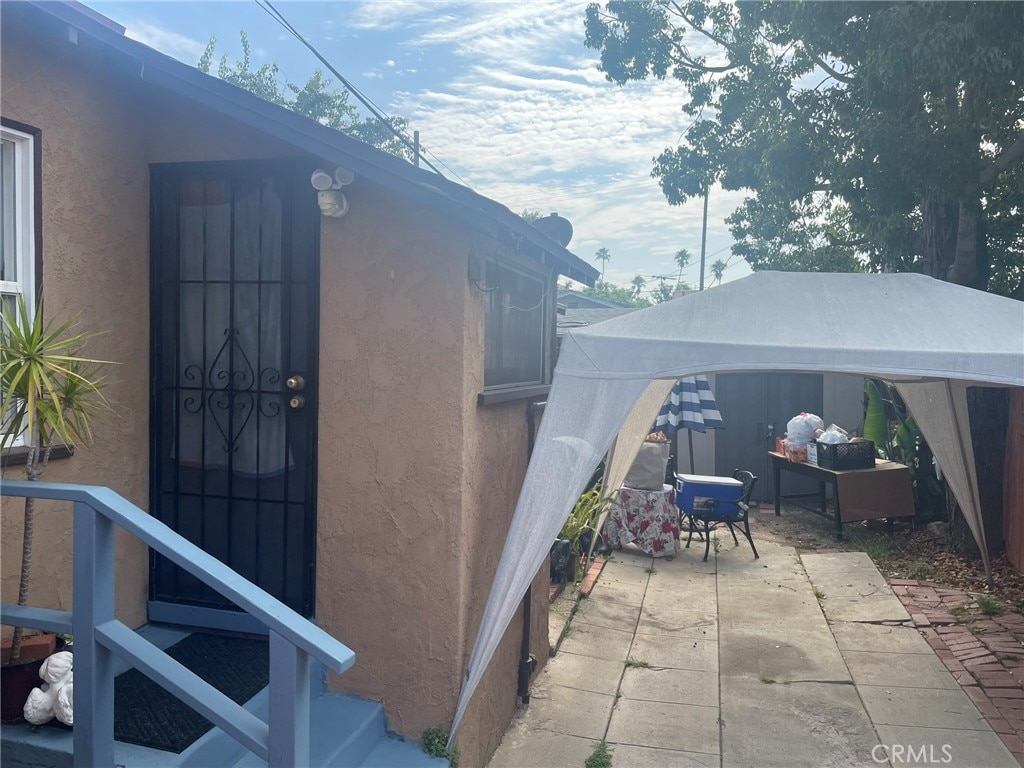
[293, 639]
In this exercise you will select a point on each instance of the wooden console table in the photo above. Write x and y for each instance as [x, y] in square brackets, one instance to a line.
[867, 494]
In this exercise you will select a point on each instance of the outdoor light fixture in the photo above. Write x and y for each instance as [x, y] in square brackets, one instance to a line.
[329, 197]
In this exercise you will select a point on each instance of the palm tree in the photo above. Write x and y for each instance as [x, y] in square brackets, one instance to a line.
[49, 394]
[638, 283]
[682, 259]
[717, 270]
[604, 257]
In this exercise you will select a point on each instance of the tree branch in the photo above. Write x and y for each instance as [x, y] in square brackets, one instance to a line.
[1006, 158]
[836, 241]
[952, 102]
[841, 77]
[684, 54]
[714, 38]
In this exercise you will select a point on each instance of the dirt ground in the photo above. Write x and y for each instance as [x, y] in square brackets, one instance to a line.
[908, 554]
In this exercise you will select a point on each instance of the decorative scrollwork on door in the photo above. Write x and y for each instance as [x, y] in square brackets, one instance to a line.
[233, 392]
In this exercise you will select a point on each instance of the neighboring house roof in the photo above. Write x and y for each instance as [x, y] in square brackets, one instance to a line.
[565, 297]
[459, 202]
[580, 318]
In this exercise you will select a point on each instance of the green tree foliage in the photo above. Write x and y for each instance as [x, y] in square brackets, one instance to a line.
[869, 135]
[682, 258]
[530, 216]
[604, 256]
[718, 270]
[316, 99]
[613, 293]
[638, 284]
[663, 292]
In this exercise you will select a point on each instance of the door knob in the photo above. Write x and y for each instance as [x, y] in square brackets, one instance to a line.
[297, 402]
[296, 382]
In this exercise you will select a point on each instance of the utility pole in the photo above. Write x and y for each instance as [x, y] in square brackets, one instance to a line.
[416, 159]
[703, 239]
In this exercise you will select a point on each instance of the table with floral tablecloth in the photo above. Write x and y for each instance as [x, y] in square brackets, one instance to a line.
[648, 519]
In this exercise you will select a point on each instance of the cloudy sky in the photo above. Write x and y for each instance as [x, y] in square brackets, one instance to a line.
[504, 93]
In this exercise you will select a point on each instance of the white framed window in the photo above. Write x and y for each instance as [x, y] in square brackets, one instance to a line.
[17, 219]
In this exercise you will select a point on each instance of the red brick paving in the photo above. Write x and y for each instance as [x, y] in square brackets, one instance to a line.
[985, 654]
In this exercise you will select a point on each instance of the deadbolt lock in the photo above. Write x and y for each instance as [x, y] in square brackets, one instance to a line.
[296, 382]
[297, 402]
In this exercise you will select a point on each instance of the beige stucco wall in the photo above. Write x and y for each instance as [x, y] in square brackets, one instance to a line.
[391, 449]
[416, 483]
[100, 131]
[497, 443]
[95, 262]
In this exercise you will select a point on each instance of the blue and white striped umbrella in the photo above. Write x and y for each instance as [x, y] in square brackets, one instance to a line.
[691, 405]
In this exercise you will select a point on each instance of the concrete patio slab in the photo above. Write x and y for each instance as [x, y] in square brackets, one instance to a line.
[858, 584]
[757, 602]
[569, 711]
[935, 746]
[923, 707]
[661, 621]
[689, 599]
[675, 686]
[854, 636]
[836, 562]
[909, 670]
[584, 673]
[683, 727]
[787, 656]
[677, 578]
[602, 613]
[598, 642]
[745, 660]
[873, 608]
[526, 747]
[688, 560]
[622, 573]
[804, 724]
[675, 652]
[627, 594]
[629, 756]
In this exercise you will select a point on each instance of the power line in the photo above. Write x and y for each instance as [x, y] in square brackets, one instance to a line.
[376, 111]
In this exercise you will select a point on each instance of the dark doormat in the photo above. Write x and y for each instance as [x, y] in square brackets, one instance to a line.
[146, 714]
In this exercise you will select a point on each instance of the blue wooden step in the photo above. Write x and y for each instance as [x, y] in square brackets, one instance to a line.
[343, 731]
[395, 752]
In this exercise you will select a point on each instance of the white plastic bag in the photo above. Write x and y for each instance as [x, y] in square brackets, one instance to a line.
[834, 435]
[801, 428]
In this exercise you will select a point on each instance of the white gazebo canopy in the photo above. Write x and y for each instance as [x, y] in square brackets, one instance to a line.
[932, 339]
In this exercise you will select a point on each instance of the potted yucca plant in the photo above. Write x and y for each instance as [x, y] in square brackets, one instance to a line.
[49, 393]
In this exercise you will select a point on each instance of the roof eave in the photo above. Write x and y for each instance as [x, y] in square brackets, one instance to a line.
[326, 143]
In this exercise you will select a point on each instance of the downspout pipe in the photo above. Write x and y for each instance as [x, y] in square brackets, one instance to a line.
[527, 661]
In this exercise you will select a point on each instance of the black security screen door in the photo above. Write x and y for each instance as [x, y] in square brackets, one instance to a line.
[235, 255]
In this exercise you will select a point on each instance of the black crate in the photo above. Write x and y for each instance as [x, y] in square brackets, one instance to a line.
[860, 455]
